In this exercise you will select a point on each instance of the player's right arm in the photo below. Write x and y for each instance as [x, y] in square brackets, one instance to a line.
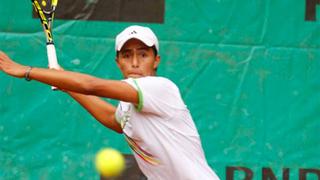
[83, 88]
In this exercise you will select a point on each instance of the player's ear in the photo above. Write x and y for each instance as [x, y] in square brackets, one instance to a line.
[156, 62]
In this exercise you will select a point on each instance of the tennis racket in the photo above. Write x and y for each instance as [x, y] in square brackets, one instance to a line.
[46, 15]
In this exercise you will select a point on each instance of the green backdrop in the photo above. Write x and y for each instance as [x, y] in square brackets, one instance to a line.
[248, 71]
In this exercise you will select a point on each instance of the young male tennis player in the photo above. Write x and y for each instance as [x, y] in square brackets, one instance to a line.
[151, 113]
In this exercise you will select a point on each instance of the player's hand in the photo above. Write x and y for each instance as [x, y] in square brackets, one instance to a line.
[10, 67]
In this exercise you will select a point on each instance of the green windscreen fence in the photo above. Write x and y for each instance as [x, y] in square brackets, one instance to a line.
[249, 71]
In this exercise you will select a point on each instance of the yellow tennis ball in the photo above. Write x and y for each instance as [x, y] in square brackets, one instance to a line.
[44, 3]
[109, 162]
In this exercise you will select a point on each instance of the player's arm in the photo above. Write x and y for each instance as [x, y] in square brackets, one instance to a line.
[86, 84]
[99, 109]
[72, 81]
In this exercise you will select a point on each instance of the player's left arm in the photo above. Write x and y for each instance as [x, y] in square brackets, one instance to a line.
[72, 81]
[101, 110]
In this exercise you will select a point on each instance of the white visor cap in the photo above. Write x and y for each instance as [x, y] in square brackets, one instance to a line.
[141, 33]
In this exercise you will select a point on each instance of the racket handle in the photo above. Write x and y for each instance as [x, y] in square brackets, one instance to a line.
[52, 59]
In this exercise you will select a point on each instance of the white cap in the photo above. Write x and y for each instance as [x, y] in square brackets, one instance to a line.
[141, 33]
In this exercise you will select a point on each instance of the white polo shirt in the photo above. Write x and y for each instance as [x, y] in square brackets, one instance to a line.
[161, 132]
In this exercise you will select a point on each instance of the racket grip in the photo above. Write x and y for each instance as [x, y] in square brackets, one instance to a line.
[52, 59]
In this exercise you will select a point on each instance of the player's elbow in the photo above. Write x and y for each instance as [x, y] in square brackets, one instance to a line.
[92, 87]
[88, 86]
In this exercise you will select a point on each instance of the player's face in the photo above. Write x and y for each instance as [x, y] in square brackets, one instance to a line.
[135, 59]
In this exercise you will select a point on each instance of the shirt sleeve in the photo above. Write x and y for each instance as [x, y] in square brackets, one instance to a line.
[157, 95]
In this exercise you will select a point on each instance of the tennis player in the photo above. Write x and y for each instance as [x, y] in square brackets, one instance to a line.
[151, 113]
